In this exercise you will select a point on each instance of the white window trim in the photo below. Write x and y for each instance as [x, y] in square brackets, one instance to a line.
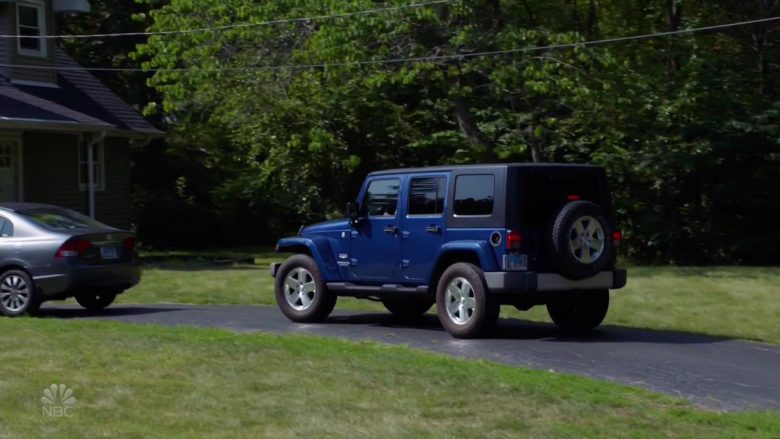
[101, 160]
[40, 6]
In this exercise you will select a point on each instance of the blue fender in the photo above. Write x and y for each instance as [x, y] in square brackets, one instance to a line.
[483, 251]
[320, 250]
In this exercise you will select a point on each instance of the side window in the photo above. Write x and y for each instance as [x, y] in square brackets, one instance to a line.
[426, 195]
[6, 228]
[381, 198]
[474, 195]
[98, 160]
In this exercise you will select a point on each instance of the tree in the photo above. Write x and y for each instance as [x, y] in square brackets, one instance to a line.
[294, 114]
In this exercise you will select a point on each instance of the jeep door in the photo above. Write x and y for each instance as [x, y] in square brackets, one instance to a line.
[422, 233]
[375, 243]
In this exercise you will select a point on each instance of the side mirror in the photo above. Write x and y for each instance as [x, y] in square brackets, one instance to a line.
[353, 211]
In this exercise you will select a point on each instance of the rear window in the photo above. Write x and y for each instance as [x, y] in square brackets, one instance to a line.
[474, 195]
[426, 196]
[58, 219]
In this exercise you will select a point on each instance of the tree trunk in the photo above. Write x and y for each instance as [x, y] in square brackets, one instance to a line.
[593, 20]
[674, 18]
[468, 126]
[535, 143]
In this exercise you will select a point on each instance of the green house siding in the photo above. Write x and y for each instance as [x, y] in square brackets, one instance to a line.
[51, 175]
[112, 206]
[51, 170]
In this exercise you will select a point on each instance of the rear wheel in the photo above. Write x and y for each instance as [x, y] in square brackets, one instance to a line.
[407, 307]
[465, 309]
[300, 291]
[96, 301]
[17, 293]
[579, 311]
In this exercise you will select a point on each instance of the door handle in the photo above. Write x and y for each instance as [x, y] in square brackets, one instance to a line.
[393, 230]
[433, 229]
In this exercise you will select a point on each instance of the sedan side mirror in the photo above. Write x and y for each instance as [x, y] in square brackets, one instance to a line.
[353, 211]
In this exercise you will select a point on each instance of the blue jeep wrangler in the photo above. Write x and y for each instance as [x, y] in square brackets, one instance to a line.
[468, 238]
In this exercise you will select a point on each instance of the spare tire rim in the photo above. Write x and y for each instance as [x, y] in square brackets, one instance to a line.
[459, 301]
[586, 239]
[300, 289]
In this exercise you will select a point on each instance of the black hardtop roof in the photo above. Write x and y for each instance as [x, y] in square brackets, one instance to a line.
[548, 166]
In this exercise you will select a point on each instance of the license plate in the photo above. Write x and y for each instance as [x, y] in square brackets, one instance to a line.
[109, 253]
[515, 262]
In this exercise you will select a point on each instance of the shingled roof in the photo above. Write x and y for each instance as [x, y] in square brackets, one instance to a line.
[79, 100]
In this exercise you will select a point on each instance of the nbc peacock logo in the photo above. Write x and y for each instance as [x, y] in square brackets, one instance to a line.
[58, 401]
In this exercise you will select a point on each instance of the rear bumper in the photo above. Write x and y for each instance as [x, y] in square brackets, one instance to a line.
[84, 277]
[515, 282]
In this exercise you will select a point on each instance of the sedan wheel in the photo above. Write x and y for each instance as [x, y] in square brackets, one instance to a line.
[17, 293]
[96, 302]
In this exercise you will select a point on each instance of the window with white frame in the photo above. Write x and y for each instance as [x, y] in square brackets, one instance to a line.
[98, 167]
[31, 25]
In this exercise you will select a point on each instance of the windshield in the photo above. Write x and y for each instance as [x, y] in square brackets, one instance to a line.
[54, 218]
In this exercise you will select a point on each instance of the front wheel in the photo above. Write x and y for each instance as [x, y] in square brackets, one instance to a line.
[96, 301]
[465, 309]
[579, 311]
[300, 291]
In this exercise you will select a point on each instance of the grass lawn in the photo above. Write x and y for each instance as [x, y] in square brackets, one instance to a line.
[738, 302]
[150, 381]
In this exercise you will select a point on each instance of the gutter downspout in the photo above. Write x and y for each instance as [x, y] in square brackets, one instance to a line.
[91, 171]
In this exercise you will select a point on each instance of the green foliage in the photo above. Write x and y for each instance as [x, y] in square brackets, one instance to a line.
[686, 126]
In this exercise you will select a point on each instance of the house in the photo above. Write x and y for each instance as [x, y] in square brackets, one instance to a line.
[65, 138]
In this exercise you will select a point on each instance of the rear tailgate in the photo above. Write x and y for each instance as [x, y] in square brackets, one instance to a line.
[541, 194]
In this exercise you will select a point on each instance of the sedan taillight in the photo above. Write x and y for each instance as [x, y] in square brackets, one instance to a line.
[129, 243]
[74, 247]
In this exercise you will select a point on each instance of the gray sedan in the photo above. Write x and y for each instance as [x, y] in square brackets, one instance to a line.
[51, 253]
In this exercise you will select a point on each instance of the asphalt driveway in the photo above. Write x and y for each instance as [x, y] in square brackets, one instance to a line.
[712, 372]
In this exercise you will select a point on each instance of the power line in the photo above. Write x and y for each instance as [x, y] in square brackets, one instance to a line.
[238, 25]
[413, 59]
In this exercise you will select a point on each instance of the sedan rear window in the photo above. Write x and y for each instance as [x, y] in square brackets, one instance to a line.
[60, 219]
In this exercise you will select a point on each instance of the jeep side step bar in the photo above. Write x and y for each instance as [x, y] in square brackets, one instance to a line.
[350, 289]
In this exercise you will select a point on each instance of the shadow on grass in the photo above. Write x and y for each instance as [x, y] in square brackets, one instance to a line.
[199, 264]
[208, 267]
[713, 272]
[515, 329]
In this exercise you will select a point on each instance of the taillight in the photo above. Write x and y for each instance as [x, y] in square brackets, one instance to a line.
[617, 238]
[129, 243]
[573, 197]
[74, 247]
[513, 239]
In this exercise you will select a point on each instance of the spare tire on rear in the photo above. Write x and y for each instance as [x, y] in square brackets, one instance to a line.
[581, 241]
